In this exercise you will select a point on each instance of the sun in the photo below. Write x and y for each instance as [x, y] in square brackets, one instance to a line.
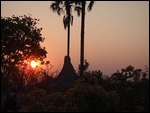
[33, 64]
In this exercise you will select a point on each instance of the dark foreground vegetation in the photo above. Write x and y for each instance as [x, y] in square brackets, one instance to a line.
[124, 91]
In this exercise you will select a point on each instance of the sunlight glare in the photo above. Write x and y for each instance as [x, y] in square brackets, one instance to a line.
[33, 64]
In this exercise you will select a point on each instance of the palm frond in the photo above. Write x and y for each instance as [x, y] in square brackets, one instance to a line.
[71, 20]
[78, 10]
[59, 11]
[77, 2]
[65, 21]
[90, 6]
[56, 7]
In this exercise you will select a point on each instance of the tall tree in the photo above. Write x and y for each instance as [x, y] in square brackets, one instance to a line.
[20, 40]
[64, 7]
[82, 5]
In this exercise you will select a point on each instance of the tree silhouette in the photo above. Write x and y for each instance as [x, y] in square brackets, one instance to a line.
[64, 7]
[20, 40]
[133, 87]
[82, 5]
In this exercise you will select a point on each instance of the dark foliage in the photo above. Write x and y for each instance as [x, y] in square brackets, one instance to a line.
[20, 40]
[91, 93]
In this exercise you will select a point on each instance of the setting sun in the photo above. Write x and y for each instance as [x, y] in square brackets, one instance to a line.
[33, 64]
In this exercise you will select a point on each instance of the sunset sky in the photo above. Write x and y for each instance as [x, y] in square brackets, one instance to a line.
[116, 33]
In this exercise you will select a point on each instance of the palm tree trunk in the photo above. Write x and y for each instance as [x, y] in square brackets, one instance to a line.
[68, 42]
[82, 40]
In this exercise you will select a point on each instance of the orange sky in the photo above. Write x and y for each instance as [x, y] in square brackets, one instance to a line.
[116, 33]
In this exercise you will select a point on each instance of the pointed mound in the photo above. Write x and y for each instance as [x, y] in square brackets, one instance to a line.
[67, 76]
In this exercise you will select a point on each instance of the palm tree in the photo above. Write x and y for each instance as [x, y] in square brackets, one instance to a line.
[64, 7]
[67, 76]
[81, 5]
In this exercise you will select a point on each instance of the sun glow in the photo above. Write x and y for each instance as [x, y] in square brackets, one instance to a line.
[33, 64]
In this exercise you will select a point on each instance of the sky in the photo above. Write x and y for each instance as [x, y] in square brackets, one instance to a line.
[116, 33]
